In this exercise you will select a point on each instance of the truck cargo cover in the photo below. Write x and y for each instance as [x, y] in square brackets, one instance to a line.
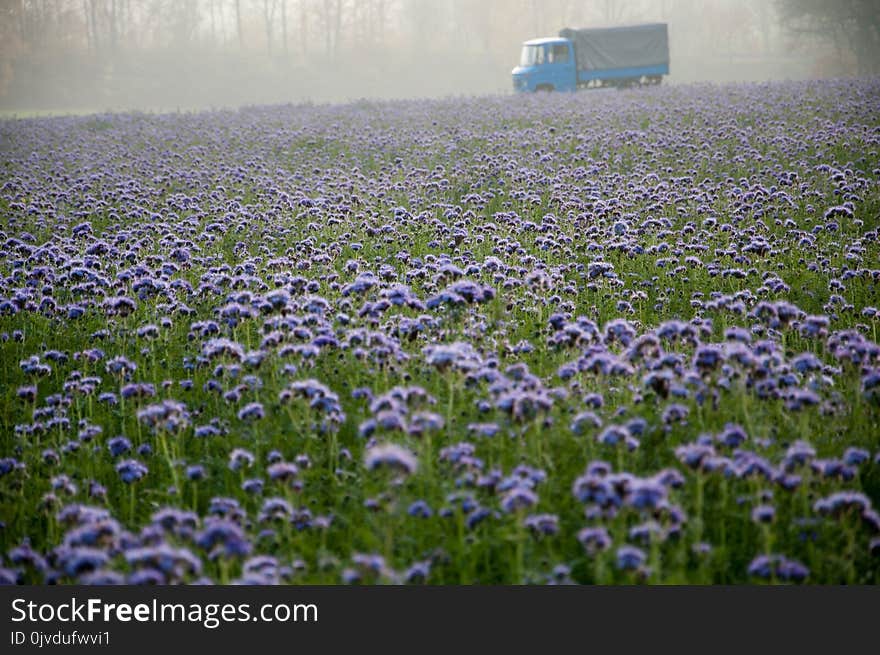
[619, 47]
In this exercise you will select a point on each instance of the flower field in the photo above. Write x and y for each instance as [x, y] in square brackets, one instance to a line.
[609, 338]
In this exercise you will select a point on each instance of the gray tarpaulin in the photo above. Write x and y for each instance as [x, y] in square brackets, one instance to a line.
[619, 47]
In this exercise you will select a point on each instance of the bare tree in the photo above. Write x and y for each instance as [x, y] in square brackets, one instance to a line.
[850, 25]
[212, 14]
[381, 17]
[613, 11]
[304, 27]
[423, 17]
[185, 17]
[91, 11]
[326, 17]
[268, 18]
[238, 23]
[337, 29]
[330, 14]
[284, 27]
[11, 44]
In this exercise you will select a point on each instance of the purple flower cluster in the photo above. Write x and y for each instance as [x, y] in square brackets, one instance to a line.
[397, 342]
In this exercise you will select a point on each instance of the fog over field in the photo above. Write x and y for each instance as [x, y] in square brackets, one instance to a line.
[168, 54]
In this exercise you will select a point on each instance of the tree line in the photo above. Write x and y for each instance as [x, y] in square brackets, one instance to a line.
[156, 53]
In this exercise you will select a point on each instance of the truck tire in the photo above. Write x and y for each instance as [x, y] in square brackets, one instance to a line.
[544, 87]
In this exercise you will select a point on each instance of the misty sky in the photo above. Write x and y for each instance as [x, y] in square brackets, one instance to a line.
[162, 54]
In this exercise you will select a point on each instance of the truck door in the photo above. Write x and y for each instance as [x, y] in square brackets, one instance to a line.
[560, 64]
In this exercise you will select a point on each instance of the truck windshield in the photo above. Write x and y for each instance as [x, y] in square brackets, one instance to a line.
[531, 55]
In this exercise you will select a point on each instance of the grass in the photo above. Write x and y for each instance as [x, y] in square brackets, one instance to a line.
[498, 549]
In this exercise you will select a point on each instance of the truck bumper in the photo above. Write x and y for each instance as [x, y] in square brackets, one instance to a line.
[520, 84]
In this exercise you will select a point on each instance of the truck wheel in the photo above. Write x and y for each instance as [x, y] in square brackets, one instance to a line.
[544, 87]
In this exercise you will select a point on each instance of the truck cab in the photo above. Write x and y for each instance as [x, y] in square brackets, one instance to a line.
[546, 65]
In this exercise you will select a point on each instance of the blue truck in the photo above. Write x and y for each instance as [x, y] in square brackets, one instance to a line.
[594, 57]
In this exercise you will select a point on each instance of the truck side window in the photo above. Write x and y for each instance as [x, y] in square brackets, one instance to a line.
[559, 54]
